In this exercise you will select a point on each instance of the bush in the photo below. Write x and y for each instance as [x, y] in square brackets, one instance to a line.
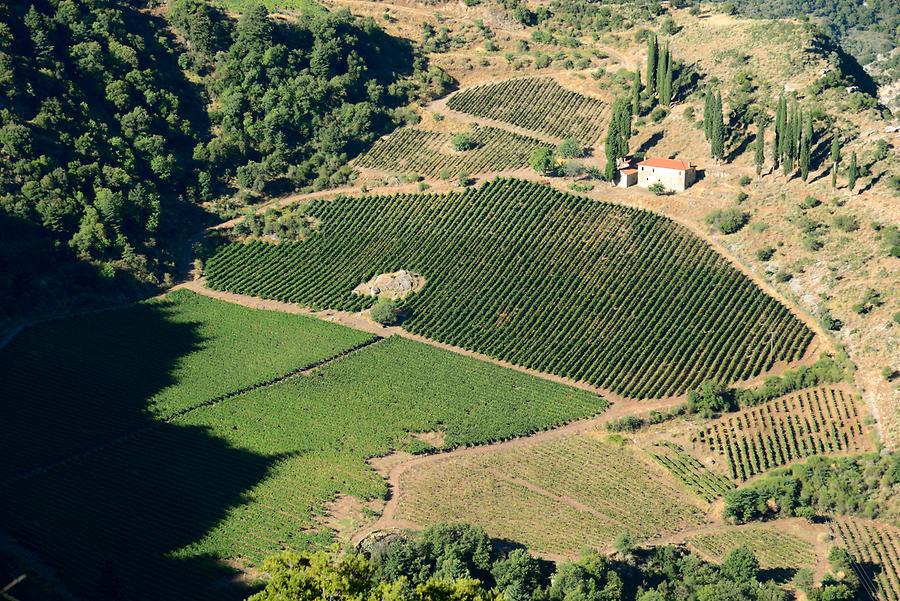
[745, 180]
[741, 197]
[846, 223]
[543, 160]
[570, 149]
[385, 312]
[688, 113]
[658, 114]
[728, 221]
[810, 202]
[711, 398]
[659, 189]
[463, 141]
[628, 423]
[764, 254]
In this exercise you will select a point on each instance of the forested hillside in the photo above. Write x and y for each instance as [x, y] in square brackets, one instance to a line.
[113, 130]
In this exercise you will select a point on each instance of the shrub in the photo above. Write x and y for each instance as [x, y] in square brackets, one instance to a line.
[688, 113]
[810, 202]
[846, 223]
[658, 114]
[745, 180]
[659, 189]
[764, 254]
[463, 141]
[385, 312]
[741, 197]
[728, 221]
[570, 149]
[543, 160]
[628, 423]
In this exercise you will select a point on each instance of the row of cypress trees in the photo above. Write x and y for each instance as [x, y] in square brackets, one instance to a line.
[660, 74]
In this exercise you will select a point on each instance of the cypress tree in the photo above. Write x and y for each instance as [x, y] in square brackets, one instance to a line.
[778, 142]
[636, 93]
[806, 146]
[788, 156]
[720, 121]
[667, 80]
[651, 65]
[707, 114]
[661, 71]
[617, 136]
[760, 147]
[852, 172]
[835, 158]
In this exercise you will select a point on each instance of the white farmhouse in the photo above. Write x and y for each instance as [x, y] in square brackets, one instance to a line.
[673, 174]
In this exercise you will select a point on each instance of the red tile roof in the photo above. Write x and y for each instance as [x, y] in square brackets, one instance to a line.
[666, 164]
[629, 171]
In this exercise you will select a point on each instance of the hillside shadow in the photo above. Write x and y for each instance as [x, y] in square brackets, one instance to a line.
[121, 522]
[649, 143]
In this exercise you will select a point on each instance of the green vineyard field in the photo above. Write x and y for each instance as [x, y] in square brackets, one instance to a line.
[708, 485]
[429, 153]
[248, 476]
[538, 104]
[875, 549]
[76, 383]
[618, 297]
[810, 422]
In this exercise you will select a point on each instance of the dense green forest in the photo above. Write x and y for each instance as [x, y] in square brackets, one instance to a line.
[115, 125]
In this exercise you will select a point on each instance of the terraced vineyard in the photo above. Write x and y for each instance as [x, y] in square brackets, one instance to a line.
[810, 422]
[708, 485]
[876, 549]
[586, 492]
[249, 475]
[538, 104]
[622, 298]
[773, 546]
[430, 154]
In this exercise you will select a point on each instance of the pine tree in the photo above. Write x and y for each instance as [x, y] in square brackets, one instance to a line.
[760, 147]
[852, 172]
[636, 93]
[651, 65]
[835, 158]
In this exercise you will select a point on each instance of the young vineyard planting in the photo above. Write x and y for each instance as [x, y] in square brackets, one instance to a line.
[810, 422]
[875, 549]
[618, 297]
[708, 485]
[536, 103]
[430, 154]
[773, 546]
[585, 490]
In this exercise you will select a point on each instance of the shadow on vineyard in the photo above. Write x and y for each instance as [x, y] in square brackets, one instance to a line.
[110, 521]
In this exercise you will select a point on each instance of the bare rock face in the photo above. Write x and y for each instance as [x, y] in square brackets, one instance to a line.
[394, 285]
